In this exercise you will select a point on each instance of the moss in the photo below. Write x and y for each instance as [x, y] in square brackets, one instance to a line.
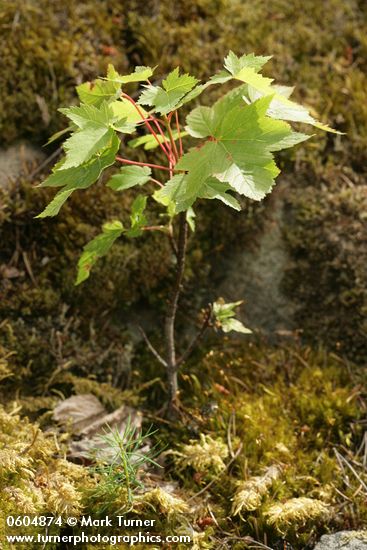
[287, 409]
[32, 480]
[46, 48]
[326, 238]
[283, 414]
[324, 54]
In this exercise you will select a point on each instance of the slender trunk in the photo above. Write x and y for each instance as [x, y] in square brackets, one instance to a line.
[172, 366]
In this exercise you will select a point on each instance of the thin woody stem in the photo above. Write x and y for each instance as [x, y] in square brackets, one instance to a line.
[165, 141]
[169, 130]
[151, 347]
[162, 228]
[179, 133]
[172, 310]
[157, 182]
[206, 324]
[135, 163]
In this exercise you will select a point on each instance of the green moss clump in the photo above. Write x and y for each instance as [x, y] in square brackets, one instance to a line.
[324, 54]
[32, 480]
[290, 410]
[46, 48]
[326, 238]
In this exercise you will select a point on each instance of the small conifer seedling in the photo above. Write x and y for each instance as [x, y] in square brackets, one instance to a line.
[232, 146]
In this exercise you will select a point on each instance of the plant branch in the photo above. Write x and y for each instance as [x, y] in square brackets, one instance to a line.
[172, 140]
[158, 166]
[172, 309]
[157, 182]
[172, 240]
[151, 347]
[179, 133]
[162, 228]
[197, 338]
[165, 141]
[152, 131]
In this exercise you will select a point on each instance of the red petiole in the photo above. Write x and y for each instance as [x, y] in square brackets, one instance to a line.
[157, 166]
[179, 133]
[167, 151]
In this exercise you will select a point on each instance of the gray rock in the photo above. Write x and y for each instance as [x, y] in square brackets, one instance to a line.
[18, 160]
[255, 276]
[344, 540]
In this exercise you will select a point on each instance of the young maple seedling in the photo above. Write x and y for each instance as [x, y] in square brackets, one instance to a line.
[238, 135]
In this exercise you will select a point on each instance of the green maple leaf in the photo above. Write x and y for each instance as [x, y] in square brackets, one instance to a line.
[97, 248]
[215, 189]
[95, 127]
[94, 93]
[224, 316]
[235, 64]
[85, 116]
[126, 116]
[119, 115]
[140, 74]
[83, 144]
[80, 177]
[239, 152]
[175, 194]
[166, 98]
[246, 69]
[129, 176]
[137, 217]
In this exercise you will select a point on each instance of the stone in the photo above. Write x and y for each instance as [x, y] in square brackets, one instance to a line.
[20, 159]
[344, 540]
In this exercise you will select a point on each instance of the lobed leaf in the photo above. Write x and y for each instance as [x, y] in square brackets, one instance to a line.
[246, 69]
[166, 98]
[97, 248]
[82, 145]
[87, 116]
[224, 316]
[235, 64]
[239, 152]
[94, 93]
[140, 74]
[137, 218]
[129, 176]
[80, 177]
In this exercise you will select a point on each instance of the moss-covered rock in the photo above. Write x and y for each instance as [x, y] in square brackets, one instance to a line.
[263, 448]
[326, 236]
[323, 52]
[46, 48]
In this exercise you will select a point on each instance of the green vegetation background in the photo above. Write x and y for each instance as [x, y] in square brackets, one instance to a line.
[46, 323]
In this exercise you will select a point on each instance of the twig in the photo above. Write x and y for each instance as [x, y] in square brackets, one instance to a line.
[229, 433]
[196, 338]
[135, 163]
[351, 469]
[172, 240]
[172, 310]
[157, 182]
[169, 130]
[151, 347]
[45, 162]
[179, 132]
[235, 456]
[168, 151]
[29, 268]
[162, 228]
